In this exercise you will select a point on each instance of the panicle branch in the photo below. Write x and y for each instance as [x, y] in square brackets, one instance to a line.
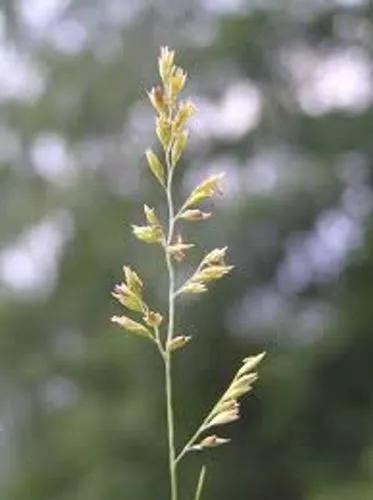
[226, 410]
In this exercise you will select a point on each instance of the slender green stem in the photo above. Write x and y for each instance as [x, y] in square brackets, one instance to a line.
[202, 427]
[170, 333]
[192, 440]
[200, 484]
[158, 342]
[170, 427]
[180, 211]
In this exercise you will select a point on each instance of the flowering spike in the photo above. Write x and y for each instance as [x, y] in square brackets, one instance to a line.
[171, 118]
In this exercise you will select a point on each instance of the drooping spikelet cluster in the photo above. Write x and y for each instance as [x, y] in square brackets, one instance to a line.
[227, 408]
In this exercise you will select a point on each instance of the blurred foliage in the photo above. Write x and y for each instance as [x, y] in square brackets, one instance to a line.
[82, 411]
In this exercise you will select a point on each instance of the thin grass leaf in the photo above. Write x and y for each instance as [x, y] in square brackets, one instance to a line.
[201, 482]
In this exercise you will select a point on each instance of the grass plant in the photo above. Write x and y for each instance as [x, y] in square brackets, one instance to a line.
[172, 115]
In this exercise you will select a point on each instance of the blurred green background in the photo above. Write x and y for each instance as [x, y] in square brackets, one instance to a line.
[285, 92]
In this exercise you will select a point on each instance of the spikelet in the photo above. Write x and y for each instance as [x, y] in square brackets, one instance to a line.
[212, 273]
[194, 288]
[156, 167]
[148, 234]
[249, 363]
[207, 189]
[212, 267]
[129, 293]
[158, 100]
[195, 215]
[224, 417]
[133, 280]
[131, 326]
[163, 131]
[179, 248]
[128, 298]
[165, 64]
[152, 318]
[212, 441]
[185, 111]
[152, 233]
[177, 343]
[178, 146]
[177, 81]
[151, 217]
[216, 256]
